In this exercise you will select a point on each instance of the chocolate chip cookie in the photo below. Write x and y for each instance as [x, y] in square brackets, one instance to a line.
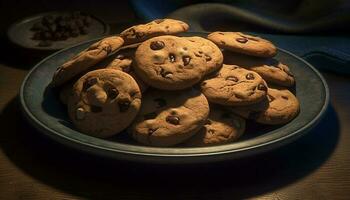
[243, 43]
[280, 107]
[169, 63]
[86, 59]
[104, 102]
[168, 118]
[209, 51]
[271, 70]
[221, 127]
[142, 32]
[234, 86]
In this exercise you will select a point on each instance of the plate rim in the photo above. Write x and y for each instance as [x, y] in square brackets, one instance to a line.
[154, 157]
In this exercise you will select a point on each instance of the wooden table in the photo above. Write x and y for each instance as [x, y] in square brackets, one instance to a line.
[34, 167]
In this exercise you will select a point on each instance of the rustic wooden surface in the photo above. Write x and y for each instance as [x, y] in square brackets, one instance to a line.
[33, 167]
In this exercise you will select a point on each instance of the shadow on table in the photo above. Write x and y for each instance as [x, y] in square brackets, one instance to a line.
[97, 178]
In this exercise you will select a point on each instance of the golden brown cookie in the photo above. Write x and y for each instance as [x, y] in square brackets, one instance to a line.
[243, 43]
[104, 102]
[169, 63]
[233, 86]
[271, 70]
[142, 32]
[86, 59]
[280, 107]
[221, 127]
[169, 118]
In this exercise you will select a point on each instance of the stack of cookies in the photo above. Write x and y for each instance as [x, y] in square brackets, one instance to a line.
[166, 90]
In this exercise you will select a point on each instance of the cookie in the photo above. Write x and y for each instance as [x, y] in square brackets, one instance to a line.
[233, 86]
[169, 63]
[169, 118]
[209, 51]
[271, 70]
[124, 60]
[104, 102]
[142, 32]
[280, 107]
[221, 127]
[243, 43]
[86, 59]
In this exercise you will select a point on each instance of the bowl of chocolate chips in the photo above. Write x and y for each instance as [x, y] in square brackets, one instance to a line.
[56, 30]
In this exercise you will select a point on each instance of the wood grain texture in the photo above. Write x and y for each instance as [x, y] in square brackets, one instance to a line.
[34, 167]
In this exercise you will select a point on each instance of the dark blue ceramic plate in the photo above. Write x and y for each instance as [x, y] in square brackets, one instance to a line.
[44, 111]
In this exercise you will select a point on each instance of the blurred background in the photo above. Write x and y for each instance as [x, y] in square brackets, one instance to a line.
[316, 30]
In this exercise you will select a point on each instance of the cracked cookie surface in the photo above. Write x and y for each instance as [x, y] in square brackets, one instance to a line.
[233, 85]
[271, 70]
[280, 107]
[142, 32]
[168, 118]
[170, 63]
[86, 59]
[243, 43]
[104, 102]
[221, 127]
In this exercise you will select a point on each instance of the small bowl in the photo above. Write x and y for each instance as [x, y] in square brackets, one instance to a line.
[20, 32]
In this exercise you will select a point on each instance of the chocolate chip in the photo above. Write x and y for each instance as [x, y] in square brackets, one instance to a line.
[207, 57]
[158, 21]
[249, 76]
[172, 58]
[151, 115]
[203, 83]
[157, 45]
[232, 78]
[112, 93]
[186, 60]
[161, 102]
[284, 97]
[95, 109]
[242, 40]
[164, 73]
[124, 105]
[173, 119]
[262, 87]
[90, 82]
